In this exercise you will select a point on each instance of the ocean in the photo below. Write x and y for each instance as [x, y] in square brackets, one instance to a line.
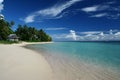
[82, 60]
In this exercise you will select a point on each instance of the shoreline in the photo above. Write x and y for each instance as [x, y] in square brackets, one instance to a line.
[19, 63]
[28, 43]
[68, 68]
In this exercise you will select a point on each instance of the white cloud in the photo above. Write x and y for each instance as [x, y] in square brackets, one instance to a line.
[95, 8]
[118, 33]
[60, 28]
[73, 34]
[90, 32]
[70, 36]
[51, 12]
[1, 1]
[57, 9]
[1, 5]
[101, 34]
[90, 36]
[109, 11]
[90, 9]
[29, 18]
[100, 15]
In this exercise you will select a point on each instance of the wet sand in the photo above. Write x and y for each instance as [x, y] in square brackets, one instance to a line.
[66, 68]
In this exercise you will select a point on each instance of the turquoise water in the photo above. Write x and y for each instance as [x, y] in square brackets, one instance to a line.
[71, 54]
[96, 52]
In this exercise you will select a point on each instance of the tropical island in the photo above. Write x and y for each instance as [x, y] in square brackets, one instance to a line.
[22, 63]
[85, 35]
[22, 33]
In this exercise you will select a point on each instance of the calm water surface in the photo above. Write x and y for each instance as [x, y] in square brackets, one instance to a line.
[72, 57]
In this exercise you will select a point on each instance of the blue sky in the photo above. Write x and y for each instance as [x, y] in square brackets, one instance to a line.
[79, 20]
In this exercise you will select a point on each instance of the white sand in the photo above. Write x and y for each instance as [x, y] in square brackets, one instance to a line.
[18, 63]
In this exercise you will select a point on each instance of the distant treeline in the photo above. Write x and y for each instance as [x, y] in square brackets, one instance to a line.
[24, 32]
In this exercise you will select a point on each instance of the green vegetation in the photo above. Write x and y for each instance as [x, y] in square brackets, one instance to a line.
[7, 42]
[24, 32]
[5, 29]
[31, 34]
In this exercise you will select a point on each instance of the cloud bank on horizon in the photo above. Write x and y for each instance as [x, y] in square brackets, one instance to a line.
[53, 12]
[112, 35]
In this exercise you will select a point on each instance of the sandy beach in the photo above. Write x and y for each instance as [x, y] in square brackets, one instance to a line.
[18, 63]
